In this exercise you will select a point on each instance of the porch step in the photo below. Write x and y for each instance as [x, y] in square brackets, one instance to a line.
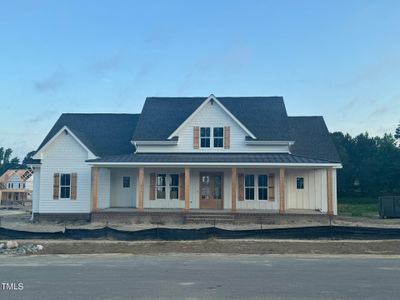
[209, 218]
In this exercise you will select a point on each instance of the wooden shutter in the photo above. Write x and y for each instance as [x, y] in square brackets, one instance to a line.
[271, 187]
[74, 181]
[227, 137]
[241, 187]
[196, 138]
[182, 186]
[56, 186]
[152, 186]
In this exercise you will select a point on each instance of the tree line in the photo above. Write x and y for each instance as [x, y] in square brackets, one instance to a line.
[371, 165]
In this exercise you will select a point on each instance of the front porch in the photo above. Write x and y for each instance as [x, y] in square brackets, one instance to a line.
[213, 190]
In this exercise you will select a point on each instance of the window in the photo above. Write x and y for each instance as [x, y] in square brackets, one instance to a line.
[65, 186]
[205, 137]
[300, 183]
[249, 187]
[23, 185]
[161, 186]
[262, 187]
[218, 137]
[19, 185]
[126, 182]
[9, 185]
[174, 186]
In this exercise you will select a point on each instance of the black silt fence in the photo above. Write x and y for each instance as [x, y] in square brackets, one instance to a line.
[172, 234]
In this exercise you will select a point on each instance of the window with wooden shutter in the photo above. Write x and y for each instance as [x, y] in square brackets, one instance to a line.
[56, 186]
[152, 186]
[227, 137]
[271, 187]
[182, 186]
[74, 182]
[241, 187]
[196, 138]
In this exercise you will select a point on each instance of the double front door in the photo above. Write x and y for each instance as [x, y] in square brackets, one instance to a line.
[211, 190]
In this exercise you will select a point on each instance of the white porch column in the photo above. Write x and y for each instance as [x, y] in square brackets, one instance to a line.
[234, 183]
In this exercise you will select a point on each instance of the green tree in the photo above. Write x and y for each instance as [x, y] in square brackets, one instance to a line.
[6, 161]
[397, 132]
[28, 157]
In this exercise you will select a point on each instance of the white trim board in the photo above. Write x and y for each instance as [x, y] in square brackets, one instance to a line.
[211, 97]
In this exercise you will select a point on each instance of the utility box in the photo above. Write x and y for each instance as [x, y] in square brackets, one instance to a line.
[389, 207]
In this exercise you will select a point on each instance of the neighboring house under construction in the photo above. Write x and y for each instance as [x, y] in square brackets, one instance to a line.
[16, 186]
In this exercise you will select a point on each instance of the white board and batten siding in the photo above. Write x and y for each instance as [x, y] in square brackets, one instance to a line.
[212, 115]
[64, 155]
[314, 195]
[118, 195]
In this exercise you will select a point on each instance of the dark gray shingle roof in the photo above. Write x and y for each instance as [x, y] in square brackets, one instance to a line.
[209, 158]
[312, 138]
[103, 134]
[265, 117]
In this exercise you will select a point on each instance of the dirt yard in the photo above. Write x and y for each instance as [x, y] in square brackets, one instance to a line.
[20, 220]
[250, 246]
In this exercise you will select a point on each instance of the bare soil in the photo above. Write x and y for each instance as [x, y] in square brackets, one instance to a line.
[250, 246]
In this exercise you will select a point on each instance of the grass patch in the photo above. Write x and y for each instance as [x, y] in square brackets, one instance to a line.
[358, 206]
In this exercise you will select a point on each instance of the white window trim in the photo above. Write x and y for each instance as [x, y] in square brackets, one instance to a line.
[60, 186]
[264, 187]
[223, 137]
[256, 174]
[298, 177]
[130, 182]
[167, 185]
[212, 138]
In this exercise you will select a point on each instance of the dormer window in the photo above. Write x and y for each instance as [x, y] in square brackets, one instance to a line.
[205, 136]
[218, 137]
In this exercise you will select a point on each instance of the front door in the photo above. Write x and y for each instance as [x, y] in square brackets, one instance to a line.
[211, 190]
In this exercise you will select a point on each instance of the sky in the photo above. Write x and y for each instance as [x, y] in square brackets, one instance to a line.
[338, 59]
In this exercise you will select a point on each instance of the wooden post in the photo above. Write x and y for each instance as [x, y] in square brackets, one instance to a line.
[281, 190]
[141, 188]
[95, 187]
[187, 188]
[234, 184]
[329, 190]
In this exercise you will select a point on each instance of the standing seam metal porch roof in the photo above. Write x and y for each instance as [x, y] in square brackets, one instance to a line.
[207, 158]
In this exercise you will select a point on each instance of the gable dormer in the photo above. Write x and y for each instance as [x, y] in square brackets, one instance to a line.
[213, 125]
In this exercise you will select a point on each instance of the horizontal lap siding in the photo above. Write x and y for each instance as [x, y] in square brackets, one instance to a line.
[64, 155]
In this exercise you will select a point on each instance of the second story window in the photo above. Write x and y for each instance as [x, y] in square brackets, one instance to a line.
[205, 137]
[218, 137]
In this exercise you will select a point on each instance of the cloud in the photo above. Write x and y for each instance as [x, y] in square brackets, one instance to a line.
[50, 84]
[105, 65]
[373, 72]
[231, 61]
[42, 117]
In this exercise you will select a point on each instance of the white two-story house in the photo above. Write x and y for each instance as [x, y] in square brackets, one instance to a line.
[230, 154]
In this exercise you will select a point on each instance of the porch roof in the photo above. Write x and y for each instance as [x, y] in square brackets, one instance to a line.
[225, 158]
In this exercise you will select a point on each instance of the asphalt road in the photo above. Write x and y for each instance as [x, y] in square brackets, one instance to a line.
[200, 277]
